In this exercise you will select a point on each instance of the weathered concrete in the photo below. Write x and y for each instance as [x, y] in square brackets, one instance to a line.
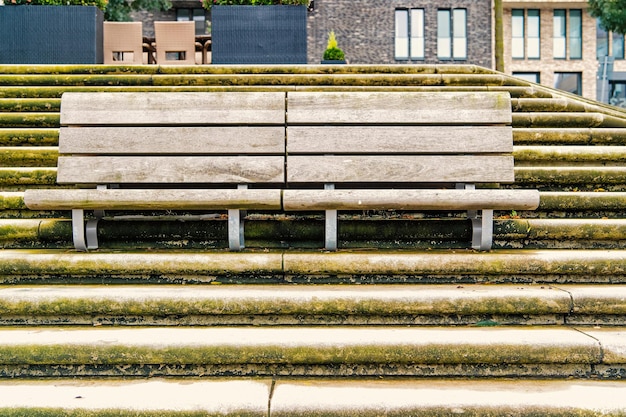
[478, 305]
[156, 397]
[444, 398]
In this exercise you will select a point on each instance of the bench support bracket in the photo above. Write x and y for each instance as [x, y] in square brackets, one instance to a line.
[236, 240]
[85, 236]
[330, 230]
[482, 224]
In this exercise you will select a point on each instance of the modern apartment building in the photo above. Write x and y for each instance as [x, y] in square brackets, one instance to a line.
[557, 43]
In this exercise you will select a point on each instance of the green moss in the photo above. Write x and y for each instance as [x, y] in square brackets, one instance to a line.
[558, 120]
[230, 353]
[12, 201]
[30, 105]
[29, 137]
[29, 120]
[28, 156]
[23, 177]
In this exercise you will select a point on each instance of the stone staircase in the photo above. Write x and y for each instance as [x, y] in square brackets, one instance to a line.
[405, 320]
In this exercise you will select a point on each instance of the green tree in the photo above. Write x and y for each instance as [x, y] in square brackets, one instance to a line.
[119, 10]
[612, 14]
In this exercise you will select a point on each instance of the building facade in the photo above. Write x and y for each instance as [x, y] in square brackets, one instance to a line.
[404, 31]
[558, 44]
[554, 43]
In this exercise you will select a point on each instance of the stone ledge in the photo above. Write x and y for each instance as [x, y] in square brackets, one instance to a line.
[135, 398]
[443, 398]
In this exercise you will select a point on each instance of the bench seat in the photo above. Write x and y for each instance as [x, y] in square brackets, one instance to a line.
[163, 151]
[402, 151]
[294, 151]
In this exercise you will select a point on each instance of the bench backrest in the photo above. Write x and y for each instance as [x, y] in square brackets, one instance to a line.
[165, 138]
[399, 137]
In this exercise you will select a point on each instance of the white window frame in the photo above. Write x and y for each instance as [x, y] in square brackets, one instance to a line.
[452, 34]
[409, 34]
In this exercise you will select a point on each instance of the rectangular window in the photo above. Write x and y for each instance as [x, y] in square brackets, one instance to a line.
[618, 45]
[409, 34]
[602, 41]
[559, 35]
[417, 33]
[534, 34]
[402, 34]
[196, 15]
[452, 34]
[517, 34]
[444, 35]
[575, 34]
[618, 94]
[459, 32]
[568, 81]
[533, 77]
[525, 34]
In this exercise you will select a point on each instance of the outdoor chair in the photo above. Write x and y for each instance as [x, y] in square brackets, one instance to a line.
[123, 43]
[175, 42]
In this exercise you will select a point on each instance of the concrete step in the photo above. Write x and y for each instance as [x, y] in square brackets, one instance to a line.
[274, 305]
[304, 351]
[341, 267]
[267, 398]
[277, 231]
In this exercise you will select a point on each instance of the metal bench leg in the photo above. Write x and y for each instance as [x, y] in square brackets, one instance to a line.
[78, 229]
[92, 230]
[482, 229]
[330, 230]
[482, 223]
[236, 239]
[235, 229]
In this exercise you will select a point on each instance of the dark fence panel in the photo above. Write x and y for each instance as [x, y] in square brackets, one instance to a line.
[50, 35]
[259, 34]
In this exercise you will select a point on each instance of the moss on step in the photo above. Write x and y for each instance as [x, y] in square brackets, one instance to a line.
[12, 201]
[34, 80]
[560, 120]
[582, 201]
[20, 178]
[29, 137]
[30, 105]
[28, 156]
[587, 156]
[582, 178]
[29, 120]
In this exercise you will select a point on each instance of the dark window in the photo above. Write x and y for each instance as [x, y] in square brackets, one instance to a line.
[196, 15]
[568, 81]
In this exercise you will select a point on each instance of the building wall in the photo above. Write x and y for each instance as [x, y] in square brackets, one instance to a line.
[547, 66]
[365, 29]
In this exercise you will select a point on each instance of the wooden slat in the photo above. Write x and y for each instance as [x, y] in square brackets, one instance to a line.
[351, 168]
[399, 107]
[496, 199]
[150, 199]
[173, 140]
[154, 108]
[155, 169]
[398, 139]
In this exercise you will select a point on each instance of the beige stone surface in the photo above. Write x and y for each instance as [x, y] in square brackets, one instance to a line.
[218, 397]
[457, 397]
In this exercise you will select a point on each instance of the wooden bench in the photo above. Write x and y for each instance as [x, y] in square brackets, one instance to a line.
[167, 151]
[402, 151]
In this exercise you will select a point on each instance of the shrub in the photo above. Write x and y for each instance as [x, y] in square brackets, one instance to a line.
[332, 52]
[208, 3]
[101, 4]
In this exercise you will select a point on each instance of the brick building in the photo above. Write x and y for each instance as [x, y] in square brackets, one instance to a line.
[555, 43]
